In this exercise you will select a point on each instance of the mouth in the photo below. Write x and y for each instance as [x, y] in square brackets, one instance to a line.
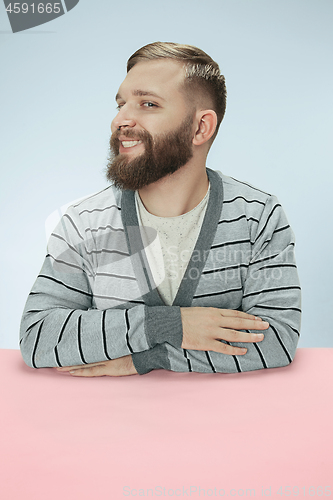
[129, 144]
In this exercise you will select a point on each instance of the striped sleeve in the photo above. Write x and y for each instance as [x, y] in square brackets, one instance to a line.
[61, 325]
[270, 290]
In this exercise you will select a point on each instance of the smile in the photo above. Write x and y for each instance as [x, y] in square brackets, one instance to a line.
[130, 144]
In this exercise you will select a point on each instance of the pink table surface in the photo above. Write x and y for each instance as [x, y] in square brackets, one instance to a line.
[165, 434]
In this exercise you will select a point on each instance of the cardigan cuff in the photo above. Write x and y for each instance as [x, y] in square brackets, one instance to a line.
[164, 324]
[153, 359]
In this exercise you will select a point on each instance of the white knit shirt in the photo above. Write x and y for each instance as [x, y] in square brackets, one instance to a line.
[168, 257]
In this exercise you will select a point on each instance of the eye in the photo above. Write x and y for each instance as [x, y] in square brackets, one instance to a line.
[118, 108]
[149, 104]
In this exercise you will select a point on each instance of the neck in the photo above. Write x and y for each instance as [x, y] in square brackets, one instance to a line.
[178, 193]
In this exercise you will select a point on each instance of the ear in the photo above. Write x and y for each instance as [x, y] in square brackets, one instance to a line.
[206, 124]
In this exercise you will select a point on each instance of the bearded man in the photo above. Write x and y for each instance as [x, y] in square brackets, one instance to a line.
[174, 266]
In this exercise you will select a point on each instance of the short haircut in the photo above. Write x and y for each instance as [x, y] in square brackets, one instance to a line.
[202, 73]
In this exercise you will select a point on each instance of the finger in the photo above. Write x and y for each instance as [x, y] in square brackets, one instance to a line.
[231, 350]
[94, 371]
[243, 324]
[236, 336]
[238, 314]
[68, 368]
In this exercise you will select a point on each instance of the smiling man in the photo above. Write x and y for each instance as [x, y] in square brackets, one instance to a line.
[174, 266]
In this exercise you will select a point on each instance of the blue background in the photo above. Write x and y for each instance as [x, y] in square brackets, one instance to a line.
[57, 102]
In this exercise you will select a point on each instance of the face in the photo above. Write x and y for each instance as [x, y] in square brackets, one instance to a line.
[156, 126]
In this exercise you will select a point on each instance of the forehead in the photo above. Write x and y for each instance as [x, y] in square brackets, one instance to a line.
[161, 76]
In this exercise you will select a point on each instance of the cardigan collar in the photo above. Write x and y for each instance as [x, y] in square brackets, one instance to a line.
[198, 258]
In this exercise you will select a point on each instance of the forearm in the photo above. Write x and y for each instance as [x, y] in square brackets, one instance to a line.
[276, 350]
[278, 304]
[65, 337]
[60, 328]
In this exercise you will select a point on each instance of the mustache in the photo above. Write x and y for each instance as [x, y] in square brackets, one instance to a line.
[131, 134]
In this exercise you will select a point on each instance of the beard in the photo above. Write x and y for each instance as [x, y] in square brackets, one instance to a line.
[163, 155]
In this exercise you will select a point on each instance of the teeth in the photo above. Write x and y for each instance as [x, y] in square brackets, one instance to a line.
[130, 144]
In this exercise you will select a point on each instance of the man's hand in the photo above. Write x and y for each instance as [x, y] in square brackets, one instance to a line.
[115, 368]
[204, 326]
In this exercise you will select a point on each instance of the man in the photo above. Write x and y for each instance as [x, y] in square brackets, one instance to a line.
[173, 266]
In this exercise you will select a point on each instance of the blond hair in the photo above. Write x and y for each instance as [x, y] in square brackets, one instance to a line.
[202, 73]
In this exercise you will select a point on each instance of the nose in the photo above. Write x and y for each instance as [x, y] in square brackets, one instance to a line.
[123, 119]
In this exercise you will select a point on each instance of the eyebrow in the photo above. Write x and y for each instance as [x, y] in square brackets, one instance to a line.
[142, 93]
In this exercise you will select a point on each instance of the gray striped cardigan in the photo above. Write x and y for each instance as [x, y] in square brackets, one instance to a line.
[95, 298]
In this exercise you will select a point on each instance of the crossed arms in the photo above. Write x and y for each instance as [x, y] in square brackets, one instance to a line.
[61, 328]
[203, 327]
